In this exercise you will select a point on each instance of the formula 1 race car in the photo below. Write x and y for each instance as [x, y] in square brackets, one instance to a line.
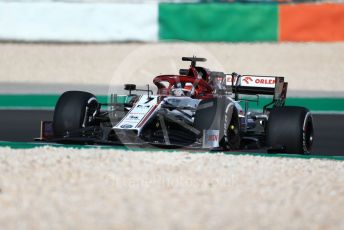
[199, 108]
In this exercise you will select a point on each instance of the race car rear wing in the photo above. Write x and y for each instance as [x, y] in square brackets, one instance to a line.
[258, 85]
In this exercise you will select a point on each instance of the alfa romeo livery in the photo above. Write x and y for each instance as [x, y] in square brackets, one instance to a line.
[197, 109]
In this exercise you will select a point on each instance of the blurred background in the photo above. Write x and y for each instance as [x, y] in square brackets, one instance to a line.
[85, 42]
[46, 46]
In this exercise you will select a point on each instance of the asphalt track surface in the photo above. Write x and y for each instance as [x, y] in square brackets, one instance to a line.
[24, 126]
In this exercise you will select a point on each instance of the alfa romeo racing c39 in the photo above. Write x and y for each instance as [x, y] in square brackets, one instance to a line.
[197, 109]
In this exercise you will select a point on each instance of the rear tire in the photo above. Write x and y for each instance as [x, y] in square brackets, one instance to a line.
[290, 129]
[72, 112]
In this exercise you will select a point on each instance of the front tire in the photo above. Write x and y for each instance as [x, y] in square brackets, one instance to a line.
[290, 129]
[73, 111]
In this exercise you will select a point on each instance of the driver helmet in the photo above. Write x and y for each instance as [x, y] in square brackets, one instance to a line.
[187, 89]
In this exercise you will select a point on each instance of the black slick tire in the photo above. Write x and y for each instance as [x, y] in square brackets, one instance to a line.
[72, 111]
[290, 129]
